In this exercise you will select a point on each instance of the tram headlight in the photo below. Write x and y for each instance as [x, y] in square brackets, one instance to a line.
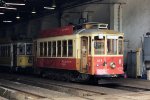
[112, 65]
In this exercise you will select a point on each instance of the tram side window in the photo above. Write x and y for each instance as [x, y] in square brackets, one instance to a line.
[89, 45]
[9, 51]
[64, 45]
[4, 51]
[49, 49]
[70, 48]
[112, 46]
[21, 49]
[99, 46]
[120, 46]
[54, 49]
[45, 48]
[41, 49]
[59, 48]
[29, 49]
[0, 51]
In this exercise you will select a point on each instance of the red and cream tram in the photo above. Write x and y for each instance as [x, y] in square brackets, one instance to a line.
[92, 50]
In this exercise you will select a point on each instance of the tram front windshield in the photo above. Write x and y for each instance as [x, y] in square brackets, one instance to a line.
[25, 49]
[21, 49]
[110, 45]
[99, 46]
[29, 49]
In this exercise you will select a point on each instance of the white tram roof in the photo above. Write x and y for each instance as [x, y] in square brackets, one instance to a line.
[95, 25]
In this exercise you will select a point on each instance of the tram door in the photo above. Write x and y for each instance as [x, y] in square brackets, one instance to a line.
[84, 54]
[15, 55]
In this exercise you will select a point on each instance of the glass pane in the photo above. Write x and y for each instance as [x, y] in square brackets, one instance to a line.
[41, 49]
[45, 48]
[99, 46]
[29, 49]
[112, 46]
[70, 48]
[64, 45]
[21, 49]
[9, 51]
[49, 49]
[120, 46]
[58, 48]
[89, 45]
[54, 49]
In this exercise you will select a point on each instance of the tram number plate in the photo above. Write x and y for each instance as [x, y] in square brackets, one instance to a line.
[101, 71]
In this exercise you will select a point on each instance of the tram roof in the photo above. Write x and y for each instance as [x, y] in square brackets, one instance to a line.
[96, 31]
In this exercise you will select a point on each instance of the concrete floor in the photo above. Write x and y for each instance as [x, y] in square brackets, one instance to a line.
[133, 96]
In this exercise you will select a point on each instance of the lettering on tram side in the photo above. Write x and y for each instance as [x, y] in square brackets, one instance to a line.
[66, 62]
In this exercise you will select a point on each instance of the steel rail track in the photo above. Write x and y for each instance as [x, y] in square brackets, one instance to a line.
[78, 90]
[84, 89]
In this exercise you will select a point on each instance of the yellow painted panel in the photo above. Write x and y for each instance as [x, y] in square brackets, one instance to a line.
[23, 61]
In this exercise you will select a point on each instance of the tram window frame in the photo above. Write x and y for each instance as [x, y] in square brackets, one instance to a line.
[70, 48]
[29, 49]
[41, 49]
[90, 41]
[64, 48]
[111, 48]
[49, 48]
[59, 47]
[0, 51]
[21, 49]
[53, 48]
[45, 48]
[120, 45]
[9, 50]
[99, 46]
[4, 51]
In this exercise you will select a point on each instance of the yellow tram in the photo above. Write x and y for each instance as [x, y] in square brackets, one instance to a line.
[15, 54]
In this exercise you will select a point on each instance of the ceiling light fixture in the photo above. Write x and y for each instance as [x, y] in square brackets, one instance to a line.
[7, 21]
[33, 11]
[18, 17]
[11, 8]
[2, 7]
[54, 4]
[15, 4]
[50, 8]
[1, 13]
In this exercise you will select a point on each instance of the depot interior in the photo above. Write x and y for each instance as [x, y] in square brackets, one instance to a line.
[21, 19]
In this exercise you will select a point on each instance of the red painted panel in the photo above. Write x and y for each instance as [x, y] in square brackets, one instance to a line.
[58, 63]
[67, 30]
[100, 69]
[90, 64]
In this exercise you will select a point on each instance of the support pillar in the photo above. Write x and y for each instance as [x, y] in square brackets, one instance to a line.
[116, 17]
